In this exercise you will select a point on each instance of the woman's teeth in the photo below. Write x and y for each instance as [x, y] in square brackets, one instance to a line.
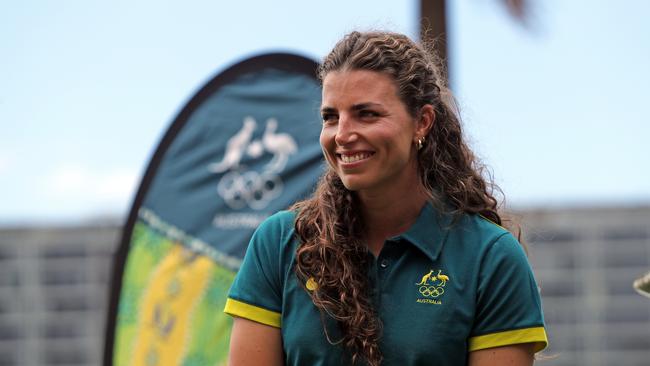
[355, 157]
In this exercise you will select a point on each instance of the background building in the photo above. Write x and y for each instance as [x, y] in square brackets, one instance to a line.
[54, 294]
[585, 261]
[54, 286]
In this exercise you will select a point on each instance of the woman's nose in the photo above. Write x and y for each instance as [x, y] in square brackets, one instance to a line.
[346, 131]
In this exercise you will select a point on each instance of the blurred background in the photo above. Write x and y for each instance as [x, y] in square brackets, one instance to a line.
[551, 92]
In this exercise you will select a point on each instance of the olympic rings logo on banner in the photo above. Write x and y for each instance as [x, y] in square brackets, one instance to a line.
[250, 189]
[431, 291]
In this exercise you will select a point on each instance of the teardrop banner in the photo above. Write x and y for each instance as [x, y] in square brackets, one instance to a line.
[244, 147]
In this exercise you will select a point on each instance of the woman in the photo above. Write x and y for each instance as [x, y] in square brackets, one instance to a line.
[398, 258]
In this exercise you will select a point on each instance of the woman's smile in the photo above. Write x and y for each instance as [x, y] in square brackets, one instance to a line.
[349, 158]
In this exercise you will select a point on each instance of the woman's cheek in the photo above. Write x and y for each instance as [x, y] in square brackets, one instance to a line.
[325, 148]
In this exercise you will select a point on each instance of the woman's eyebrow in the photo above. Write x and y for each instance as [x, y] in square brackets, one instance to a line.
[355, 107]
[361, 106]
[324, 110]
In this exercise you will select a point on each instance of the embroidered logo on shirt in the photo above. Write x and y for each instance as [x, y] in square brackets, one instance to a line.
[431, 287]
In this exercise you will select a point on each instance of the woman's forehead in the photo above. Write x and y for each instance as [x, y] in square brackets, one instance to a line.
[358, 86]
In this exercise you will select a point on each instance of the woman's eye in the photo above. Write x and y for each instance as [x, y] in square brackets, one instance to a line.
[328, 117]
[368, 114]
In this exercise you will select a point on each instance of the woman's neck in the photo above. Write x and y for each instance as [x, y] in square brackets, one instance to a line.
[385, 216]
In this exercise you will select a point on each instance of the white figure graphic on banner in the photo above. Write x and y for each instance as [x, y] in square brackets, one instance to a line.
[240, 188]
[235, 147]
[281, 145]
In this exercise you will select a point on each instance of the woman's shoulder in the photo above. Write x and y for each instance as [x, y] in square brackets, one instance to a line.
[277, 229]
[479, 230]
[478, 243]
[493, 240]
[280, 220]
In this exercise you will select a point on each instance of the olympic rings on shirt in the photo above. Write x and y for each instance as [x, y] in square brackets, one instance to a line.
[431, 291]
[250, 189]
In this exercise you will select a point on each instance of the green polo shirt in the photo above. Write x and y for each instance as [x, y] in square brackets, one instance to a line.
[442, 289]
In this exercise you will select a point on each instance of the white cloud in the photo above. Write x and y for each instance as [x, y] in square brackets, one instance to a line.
[74, 187]
[117, 185]
[70, 178]
[64, 191]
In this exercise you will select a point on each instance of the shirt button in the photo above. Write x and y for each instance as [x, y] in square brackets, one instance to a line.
[383, 264]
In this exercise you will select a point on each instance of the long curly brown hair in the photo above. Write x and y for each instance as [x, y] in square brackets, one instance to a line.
[332, 252]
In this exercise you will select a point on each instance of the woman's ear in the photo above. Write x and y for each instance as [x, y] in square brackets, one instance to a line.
[426, 119]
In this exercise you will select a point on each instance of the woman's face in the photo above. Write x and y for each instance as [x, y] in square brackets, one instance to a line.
[368, 135]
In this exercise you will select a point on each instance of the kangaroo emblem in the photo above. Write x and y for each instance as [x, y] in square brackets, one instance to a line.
[431, 287]
[427, 277]
[235, 147]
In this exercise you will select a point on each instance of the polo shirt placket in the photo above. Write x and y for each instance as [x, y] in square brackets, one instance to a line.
[380, 269]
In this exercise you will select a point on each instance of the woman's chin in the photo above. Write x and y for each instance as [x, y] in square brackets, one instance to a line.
[356, 184]
[351, 184]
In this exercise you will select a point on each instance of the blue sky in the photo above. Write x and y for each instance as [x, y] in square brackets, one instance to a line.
[88, 88]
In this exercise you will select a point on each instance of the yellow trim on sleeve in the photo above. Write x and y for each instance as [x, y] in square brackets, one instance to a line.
[252, 312]
[535, 335]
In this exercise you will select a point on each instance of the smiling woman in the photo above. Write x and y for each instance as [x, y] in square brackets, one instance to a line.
[399, 257]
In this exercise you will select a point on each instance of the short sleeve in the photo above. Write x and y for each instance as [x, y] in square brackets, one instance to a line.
[508, 307]
[256, 293]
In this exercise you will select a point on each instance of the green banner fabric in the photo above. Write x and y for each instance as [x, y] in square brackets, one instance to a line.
[244, 147]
